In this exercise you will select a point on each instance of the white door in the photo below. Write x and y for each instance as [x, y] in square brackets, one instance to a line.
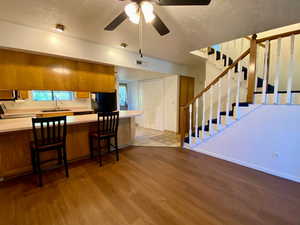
[152, 104]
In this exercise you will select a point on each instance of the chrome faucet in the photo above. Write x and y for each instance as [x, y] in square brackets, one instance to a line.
[56, 103]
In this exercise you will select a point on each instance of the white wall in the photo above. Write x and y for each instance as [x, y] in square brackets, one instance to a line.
[266, 139]
[152, 104]
[158, 99]
[171, 103]
[133, 95]
[30, 39]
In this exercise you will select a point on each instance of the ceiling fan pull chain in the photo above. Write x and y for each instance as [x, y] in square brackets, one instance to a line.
[141, 34]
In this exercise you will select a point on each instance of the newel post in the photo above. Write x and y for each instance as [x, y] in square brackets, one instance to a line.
[182, 126]
[252, 69]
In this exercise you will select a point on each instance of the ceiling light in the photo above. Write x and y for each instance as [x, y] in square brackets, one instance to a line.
[60, 27]
[132, 11]
[147, 9]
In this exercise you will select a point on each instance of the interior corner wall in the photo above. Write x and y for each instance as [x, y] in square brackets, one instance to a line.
[171, 103]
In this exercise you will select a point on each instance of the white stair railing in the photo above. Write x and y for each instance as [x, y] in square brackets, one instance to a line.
[277, 71]
[221, 93]
[214, 90]
[291, 71]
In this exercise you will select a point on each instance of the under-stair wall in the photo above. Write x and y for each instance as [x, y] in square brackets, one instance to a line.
[266, 138]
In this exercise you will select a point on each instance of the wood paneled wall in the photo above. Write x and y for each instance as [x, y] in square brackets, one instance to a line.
[26, 71]
[186, 94]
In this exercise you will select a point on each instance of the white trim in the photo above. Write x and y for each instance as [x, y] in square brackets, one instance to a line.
[249, 165]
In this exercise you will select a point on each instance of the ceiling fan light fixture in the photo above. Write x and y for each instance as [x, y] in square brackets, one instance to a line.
[147, 9]
[132, 11]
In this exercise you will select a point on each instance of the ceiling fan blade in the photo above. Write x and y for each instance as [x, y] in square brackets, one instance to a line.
[158, 24]
[182, 2]
[116, 22]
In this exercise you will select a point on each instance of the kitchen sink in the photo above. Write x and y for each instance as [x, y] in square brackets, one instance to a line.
[56, 110]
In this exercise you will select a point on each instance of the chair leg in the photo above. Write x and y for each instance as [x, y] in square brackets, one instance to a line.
[99, 151]
[59, 156]
[65, 161]
[108, 145]
[33, 160]
[117, 149]
[91, 147]
[39, 171]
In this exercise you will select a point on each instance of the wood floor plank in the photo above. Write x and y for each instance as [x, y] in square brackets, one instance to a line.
[152, 186]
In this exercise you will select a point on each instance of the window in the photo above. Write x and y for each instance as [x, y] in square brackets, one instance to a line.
[63, 95]
[52, 95]
[217, 47]
[42, 95]
[123, 96]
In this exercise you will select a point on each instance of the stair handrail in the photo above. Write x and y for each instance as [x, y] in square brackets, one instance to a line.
[276, 36]
[252, 69]
[241, 57]
[183, 117]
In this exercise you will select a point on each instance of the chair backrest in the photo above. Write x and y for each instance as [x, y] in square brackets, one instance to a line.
[108, 122]
[50, 130]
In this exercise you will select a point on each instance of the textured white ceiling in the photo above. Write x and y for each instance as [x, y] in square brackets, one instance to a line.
[192, 27]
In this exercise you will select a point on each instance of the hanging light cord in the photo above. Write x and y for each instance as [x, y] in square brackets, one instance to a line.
[141, 34]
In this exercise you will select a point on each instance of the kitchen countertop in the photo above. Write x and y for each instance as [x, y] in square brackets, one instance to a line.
[34, 112]
[20, 124]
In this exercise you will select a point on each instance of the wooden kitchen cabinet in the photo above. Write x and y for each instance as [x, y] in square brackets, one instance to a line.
[6, 94]
[82, 94]
[27, 71]
[23, 94]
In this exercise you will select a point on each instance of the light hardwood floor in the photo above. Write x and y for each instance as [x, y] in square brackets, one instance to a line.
[152, 186]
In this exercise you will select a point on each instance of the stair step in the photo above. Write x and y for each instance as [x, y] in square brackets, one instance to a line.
[245, 71]
[241, 104]
[236, 68]
[218, 55]
[211, 51]
[224, 57]
[224, 113]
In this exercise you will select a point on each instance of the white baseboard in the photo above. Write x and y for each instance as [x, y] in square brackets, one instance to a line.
[249, 165]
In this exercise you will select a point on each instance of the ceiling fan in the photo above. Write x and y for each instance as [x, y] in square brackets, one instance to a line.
[137, 9]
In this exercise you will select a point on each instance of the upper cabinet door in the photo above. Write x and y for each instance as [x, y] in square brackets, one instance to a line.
[25, 71]
[6, 94]
[81, 94]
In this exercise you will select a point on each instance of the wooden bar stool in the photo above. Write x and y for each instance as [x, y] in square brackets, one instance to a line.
[107, 128]
[49, 135]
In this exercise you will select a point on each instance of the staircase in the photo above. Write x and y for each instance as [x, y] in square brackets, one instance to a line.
[242, 86]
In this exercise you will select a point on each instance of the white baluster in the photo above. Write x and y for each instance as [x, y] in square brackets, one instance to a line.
[190, 123]
[258, 63]
[291, 71]
[264, 96]
[242, 46]
[203, 116]
[228, 96]
[235, 49]
[237, 99]
[277, 71]
[196, 118]
[211, 92]
[219, 104]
